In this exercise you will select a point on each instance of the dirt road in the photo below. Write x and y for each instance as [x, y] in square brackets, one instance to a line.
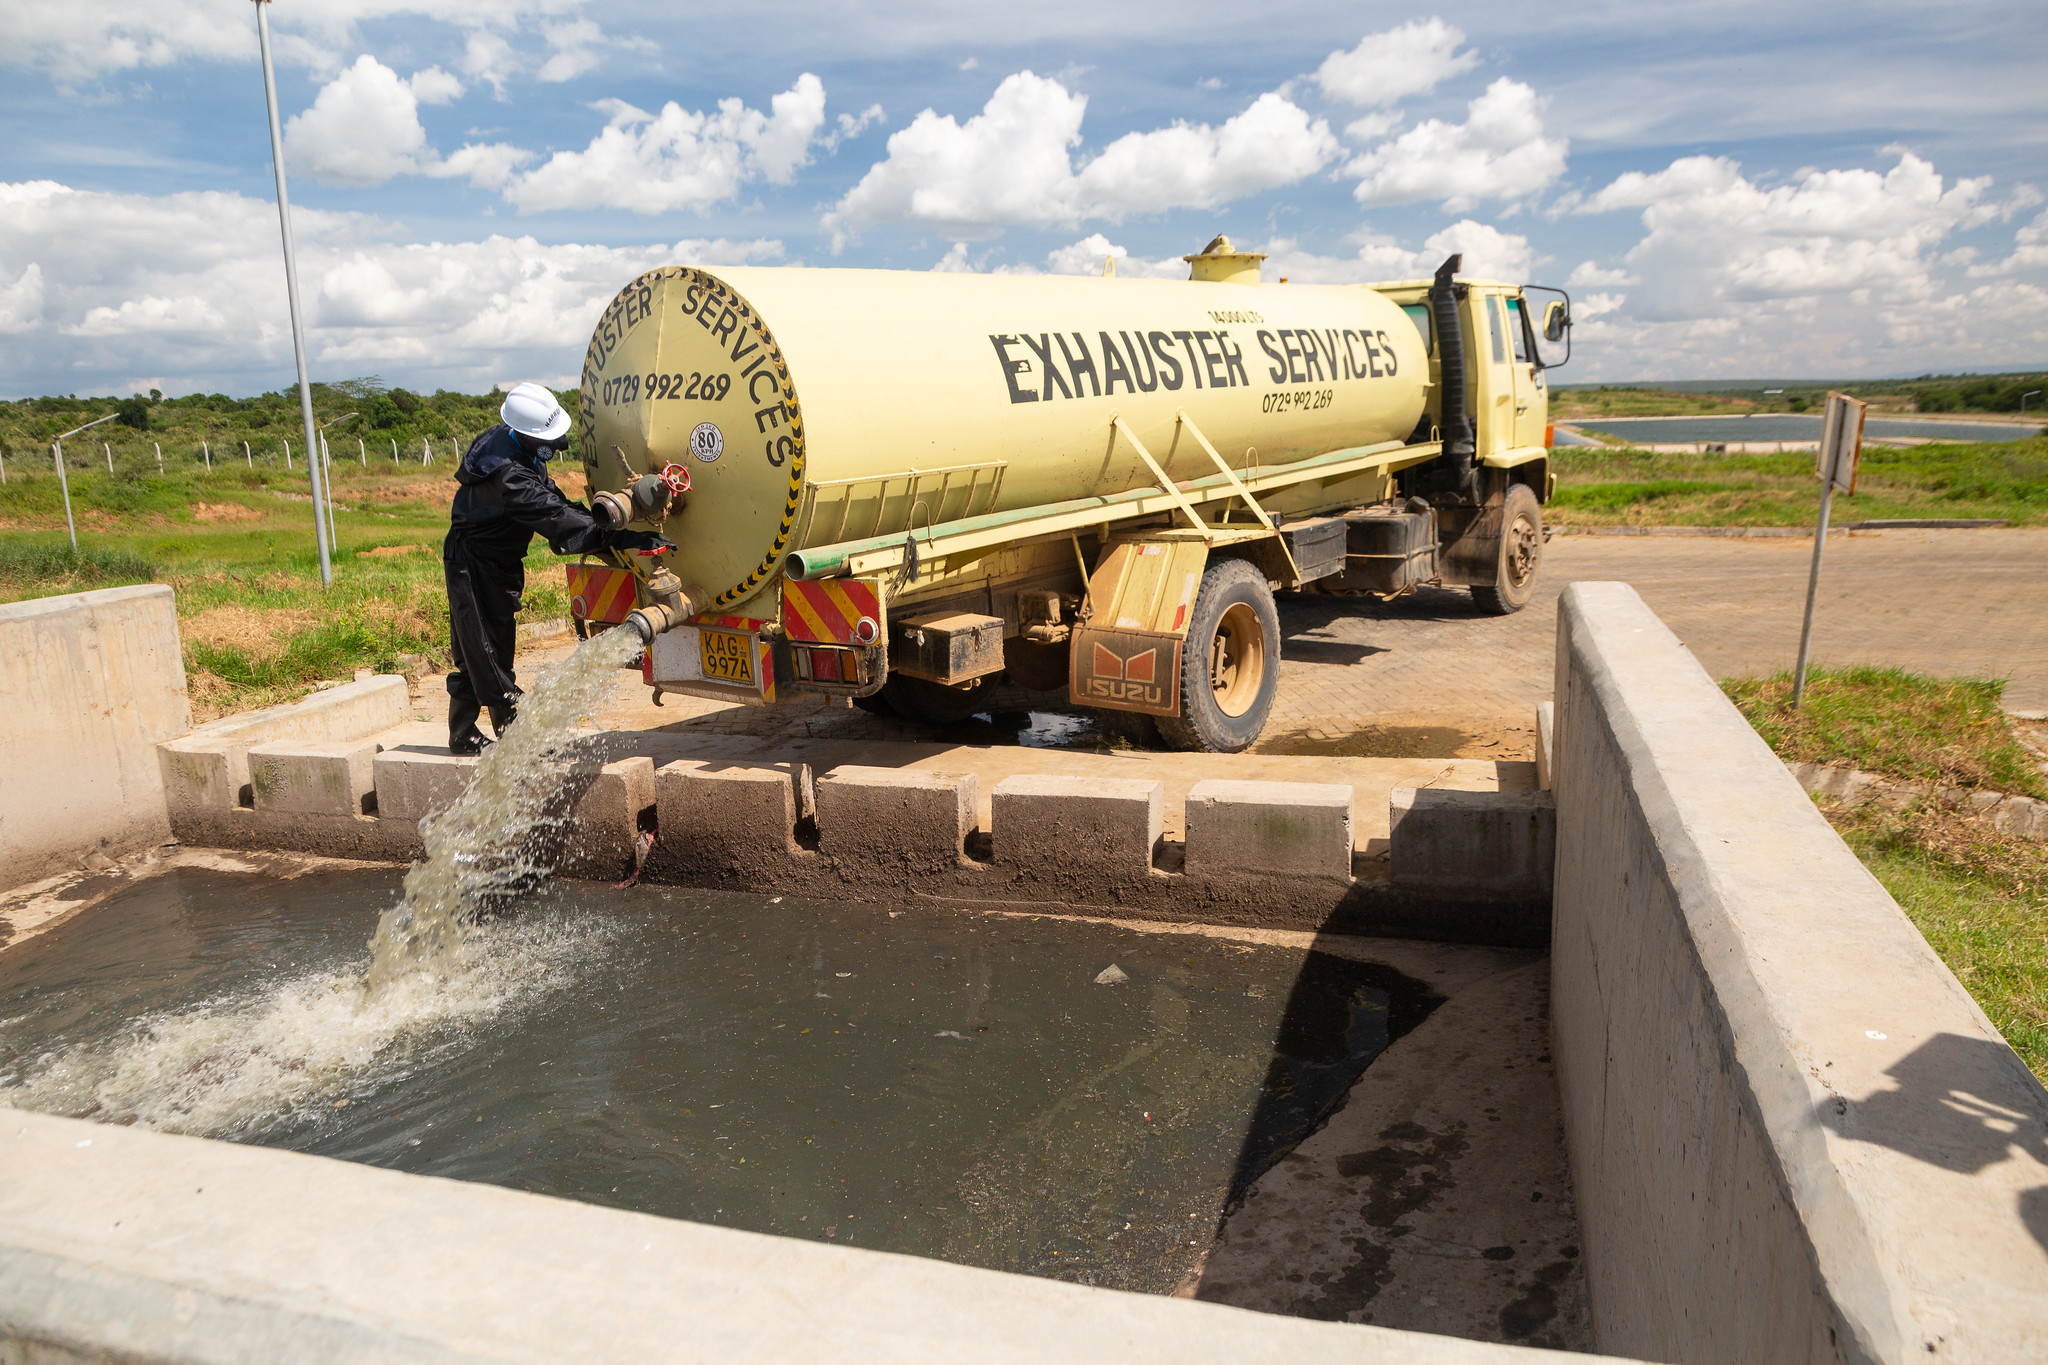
[1428, 675]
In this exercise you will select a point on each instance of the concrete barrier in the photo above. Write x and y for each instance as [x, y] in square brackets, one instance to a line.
[120, 1244]
[310, 777]
[414, 782]
[1473, 843]
[1269, 829]
[1077, 827]
[208, 769]
[604, 839]
[1793, 1135]
[896, 821]
[93, 682]
[732, 822]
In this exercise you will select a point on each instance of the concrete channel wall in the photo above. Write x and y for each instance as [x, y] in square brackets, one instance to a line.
[120, 1245]
[92, 682]
[1793, 1135]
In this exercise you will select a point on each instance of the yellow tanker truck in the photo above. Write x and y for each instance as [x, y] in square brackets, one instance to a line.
[901, 487]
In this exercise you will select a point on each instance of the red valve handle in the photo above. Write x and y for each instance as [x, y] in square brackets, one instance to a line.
[677, 478]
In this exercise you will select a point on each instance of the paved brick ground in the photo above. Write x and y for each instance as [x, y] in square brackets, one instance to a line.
[1428, 675]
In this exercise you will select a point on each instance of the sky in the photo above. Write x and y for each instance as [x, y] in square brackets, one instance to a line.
[1739, 189]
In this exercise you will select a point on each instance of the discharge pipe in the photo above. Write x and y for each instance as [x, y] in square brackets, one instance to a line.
[1456, 423]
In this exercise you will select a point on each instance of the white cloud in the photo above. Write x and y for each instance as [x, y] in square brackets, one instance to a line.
[434, 86]
[1834, 272]
[1593, 275]
[679, 158]
[850, 126]
[1085, 258]
[572, 43]
[362, 129]
[1717, 240]
[138, 284]
[1499, 152]
[1012, 163]
[1386, 68]
[1489, 254]
[2029, 250]
[970, 64]
[21, 302]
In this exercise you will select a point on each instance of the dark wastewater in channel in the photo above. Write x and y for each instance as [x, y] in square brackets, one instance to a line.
[923, 1080]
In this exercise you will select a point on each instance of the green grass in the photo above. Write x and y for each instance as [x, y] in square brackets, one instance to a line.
[1980, 903]
[1945, 731]
[1979, 897]
[237, 546]
[2005, 480]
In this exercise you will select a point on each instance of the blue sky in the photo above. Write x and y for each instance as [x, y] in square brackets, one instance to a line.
[1742, 189]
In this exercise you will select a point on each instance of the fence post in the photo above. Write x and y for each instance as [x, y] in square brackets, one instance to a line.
[287, 453]
[159, 455]
[394, 452]
[248, 456]
[110, 456]
[362, 453]
[206, 452]
[57, 451]
[426, 452]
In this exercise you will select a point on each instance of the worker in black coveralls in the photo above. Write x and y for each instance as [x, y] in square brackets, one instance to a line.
[505, 500]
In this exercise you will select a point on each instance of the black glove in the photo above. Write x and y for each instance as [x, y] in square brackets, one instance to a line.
[646, 542]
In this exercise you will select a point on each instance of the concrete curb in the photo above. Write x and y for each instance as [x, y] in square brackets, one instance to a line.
[1271, 854]
[2023, 817]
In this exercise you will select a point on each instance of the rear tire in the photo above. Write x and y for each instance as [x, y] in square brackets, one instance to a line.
[1519, 557]
[1230, 666]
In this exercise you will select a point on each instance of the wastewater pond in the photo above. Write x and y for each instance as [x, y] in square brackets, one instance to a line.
[923, 1080]
[1793, 427]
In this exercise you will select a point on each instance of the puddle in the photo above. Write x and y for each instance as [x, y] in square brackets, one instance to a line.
[920, 1081]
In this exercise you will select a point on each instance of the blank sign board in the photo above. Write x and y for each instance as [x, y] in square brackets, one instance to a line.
[1841, 442]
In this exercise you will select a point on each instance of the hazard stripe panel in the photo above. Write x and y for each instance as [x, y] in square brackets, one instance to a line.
[599, 594]
[828, 611]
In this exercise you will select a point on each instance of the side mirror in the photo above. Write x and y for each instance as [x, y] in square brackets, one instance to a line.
[1556, 321]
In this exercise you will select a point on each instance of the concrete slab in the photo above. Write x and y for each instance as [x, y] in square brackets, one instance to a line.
[898, 820]
[313, 777]
[732, 821]
[1502, 843]
[604, 840]
[1078, 826]
[1269, 829]
[414, 781]
[93, 682]
[191, 765]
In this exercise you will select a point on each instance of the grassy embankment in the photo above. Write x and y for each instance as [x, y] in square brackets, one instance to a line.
[237, 542]
[1978, 896]
[1621, 486]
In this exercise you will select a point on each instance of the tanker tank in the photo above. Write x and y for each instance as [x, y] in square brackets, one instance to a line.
[819, 406]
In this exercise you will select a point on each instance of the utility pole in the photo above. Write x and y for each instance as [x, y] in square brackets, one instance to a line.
[1841, 446]
[321, 531]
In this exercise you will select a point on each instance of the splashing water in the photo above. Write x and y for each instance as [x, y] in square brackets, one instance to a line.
[497, 839]
[237, 1064]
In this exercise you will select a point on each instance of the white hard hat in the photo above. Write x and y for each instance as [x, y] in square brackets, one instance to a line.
[532, 411]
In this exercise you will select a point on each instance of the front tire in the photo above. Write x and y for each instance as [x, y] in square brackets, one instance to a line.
[1519, 557]
[1230, 665]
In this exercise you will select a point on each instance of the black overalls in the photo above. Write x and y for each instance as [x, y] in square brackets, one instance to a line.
[505, 500]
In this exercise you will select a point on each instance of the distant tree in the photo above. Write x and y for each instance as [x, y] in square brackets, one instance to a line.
[133, 412]
[405, 401]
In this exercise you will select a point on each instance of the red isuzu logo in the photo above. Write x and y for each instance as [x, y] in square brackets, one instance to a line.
[1129, 672]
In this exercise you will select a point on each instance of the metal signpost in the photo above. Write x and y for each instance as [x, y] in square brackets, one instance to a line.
[57, 451]
[1841, 446]
[291, 287]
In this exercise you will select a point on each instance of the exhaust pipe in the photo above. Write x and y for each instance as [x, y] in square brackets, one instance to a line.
[1459, 444]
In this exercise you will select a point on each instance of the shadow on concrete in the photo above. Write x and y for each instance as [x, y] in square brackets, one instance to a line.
[1958, 1103]
[1340, 1015]
[1300, 649]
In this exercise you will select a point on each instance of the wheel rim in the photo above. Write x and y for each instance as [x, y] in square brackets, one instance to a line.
[1523, 547]
[1237, 660]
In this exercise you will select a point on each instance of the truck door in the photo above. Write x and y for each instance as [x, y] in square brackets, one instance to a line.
[1532, 398]
[1493, 372]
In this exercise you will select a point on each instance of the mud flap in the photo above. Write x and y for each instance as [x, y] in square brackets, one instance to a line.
[1127, 653]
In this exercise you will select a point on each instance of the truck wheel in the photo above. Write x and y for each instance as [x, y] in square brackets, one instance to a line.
[1520, 555]
[931, 703]
[1230, 666]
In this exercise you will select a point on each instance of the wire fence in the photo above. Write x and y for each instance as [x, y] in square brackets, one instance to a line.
[270, 453]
